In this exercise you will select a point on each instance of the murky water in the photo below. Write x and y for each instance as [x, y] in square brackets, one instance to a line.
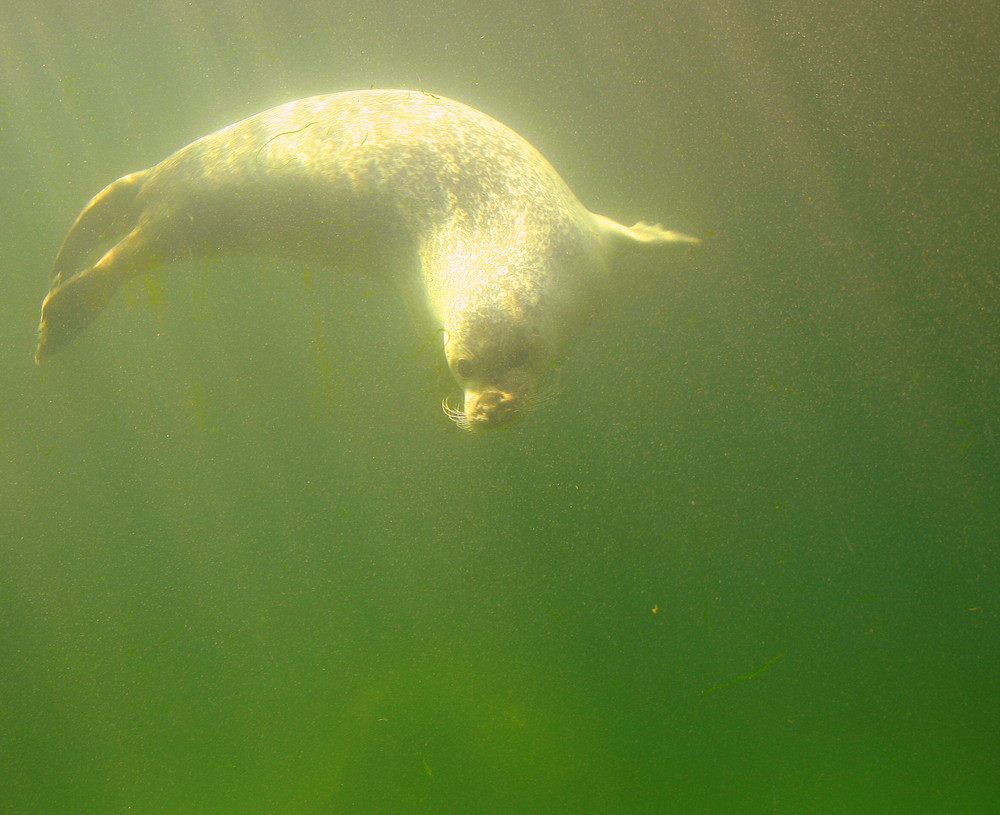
[745, 563]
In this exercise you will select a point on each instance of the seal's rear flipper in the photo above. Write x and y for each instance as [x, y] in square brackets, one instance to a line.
[76, 297]
[112, 209]
[623, 238]
[71, 306]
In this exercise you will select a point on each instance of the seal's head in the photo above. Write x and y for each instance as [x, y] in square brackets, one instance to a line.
[499, 367]
[509, 310]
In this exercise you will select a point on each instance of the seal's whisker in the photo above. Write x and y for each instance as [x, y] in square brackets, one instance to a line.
[459, 417]
[547, 394]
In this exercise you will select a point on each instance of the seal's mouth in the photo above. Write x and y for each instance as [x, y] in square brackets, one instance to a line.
[492, 406]
[486, 408]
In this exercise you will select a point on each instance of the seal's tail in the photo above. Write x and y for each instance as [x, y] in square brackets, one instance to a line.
[76, 297]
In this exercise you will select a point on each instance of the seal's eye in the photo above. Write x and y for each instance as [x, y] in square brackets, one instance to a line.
[464, 368]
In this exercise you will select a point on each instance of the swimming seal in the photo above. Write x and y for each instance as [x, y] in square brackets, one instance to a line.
[449, 200]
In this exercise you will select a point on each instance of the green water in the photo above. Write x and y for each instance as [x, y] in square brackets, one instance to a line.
[747, 562]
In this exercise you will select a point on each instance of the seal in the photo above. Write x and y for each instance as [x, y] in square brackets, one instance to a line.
[452, 203]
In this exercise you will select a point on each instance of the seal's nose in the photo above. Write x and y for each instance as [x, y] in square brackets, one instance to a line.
[493, 406]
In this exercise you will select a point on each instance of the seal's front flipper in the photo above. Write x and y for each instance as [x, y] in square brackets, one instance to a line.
[71, 306]
[656, 235]
[622, 238]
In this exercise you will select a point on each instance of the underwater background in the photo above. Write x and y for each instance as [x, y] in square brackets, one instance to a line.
[746, 562]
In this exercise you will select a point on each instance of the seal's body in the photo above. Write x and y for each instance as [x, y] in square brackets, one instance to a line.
[449, 200]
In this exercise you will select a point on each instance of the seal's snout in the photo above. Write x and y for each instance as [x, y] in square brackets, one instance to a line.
[492, 407]
[486, 408]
